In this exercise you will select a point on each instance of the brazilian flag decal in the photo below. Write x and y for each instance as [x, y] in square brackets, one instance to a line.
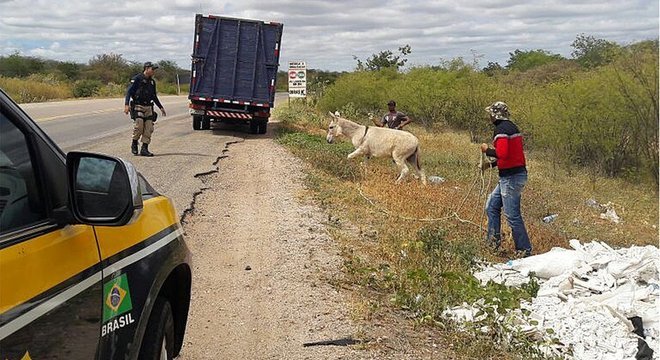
[117, 297]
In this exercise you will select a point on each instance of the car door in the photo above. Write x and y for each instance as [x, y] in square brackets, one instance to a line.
[50, 273]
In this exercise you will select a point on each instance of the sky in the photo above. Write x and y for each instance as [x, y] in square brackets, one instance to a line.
[327, 35]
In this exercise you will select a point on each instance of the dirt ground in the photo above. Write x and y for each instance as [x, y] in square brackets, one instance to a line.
[263, 265]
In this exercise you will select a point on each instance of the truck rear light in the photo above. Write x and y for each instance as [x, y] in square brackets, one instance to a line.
[263, 114]
[197, 106]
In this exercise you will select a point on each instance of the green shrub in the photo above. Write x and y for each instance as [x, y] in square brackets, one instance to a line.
[367, 91]
[86, 88]
[111, 90]
[603, 118]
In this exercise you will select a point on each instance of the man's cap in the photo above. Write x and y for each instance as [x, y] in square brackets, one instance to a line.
[499, 110]
[391, 102]
[151, 65]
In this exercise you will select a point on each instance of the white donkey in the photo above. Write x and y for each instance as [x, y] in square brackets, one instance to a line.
[400, 145]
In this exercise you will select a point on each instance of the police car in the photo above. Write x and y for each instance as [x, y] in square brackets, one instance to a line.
[93, 264]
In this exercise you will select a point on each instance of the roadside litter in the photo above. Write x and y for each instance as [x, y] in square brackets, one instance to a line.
[588, 300]
[550, 218]
[611, 215]
[435, 179]
[607, 210]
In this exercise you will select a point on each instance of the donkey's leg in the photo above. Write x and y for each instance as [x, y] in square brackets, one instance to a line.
[357, 152]
[401, 163]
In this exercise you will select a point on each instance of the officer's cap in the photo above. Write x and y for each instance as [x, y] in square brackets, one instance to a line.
[149, 64]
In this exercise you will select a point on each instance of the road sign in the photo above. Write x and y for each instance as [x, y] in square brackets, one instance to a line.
[297, 79]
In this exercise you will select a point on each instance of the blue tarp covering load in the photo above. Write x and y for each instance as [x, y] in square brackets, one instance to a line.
[235, 59]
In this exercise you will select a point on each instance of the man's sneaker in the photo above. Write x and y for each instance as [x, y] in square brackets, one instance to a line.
[523, 253]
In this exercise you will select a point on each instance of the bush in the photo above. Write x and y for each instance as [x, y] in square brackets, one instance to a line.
[111, 90]
[603, 118]
[86, 88]
[367, 91]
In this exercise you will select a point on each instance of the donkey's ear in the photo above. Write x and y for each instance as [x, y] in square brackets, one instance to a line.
[331, 114]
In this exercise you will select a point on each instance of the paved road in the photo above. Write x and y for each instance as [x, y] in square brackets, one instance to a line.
[74, 123]
[99, 125]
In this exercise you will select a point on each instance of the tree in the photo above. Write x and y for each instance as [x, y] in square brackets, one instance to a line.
[70, 69]
[525, 60]
[16, 65]
[493, 69]
[591, 52]
[167, 70]
[384, 59]
[109, 68]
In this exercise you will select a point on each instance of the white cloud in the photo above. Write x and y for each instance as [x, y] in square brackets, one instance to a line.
[324, 33]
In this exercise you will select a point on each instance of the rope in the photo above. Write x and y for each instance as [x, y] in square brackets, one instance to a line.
[454, 213]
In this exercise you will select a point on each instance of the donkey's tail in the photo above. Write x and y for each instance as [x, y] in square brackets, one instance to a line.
[413, 159]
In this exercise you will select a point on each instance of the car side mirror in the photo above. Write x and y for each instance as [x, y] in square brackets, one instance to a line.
[103, 190]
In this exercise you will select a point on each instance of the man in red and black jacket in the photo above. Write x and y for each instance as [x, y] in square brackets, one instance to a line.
[510, 161]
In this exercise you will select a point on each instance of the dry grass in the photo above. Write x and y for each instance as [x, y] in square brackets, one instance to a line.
[550, 190]
[407, 242]
[34, 90]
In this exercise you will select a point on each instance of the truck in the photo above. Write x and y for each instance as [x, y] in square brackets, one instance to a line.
[234, 70]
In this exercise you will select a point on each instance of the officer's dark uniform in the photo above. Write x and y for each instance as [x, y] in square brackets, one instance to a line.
[141, 96]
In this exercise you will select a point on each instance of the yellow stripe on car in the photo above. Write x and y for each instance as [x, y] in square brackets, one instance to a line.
[156, 215]
[34, 266]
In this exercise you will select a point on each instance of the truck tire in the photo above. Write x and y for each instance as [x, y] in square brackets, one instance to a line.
[197, 122]
[263, 126]
[206, 122]
[254, 126]
[158, 341]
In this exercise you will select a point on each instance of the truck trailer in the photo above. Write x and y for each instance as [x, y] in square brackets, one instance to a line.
[234, 70]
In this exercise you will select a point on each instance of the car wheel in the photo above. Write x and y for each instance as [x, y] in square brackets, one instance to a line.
[158, 341]
[197, 122]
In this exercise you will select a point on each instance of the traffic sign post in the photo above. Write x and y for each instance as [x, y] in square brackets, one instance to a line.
[297, 79]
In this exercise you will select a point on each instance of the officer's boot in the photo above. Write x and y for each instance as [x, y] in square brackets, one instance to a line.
[134, 146]
[145, 150]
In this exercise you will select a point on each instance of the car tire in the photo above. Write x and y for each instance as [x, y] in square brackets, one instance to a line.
[197, 122]
[158, 341]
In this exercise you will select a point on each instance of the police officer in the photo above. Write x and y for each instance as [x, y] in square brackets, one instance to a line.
[140, 100]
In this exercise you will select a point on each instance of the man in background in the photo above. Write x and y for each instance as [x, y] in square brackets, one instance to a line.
[393, 119]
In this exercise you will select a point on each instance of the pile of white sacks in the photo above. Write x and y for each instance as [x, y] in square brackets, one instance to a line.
[587, 296]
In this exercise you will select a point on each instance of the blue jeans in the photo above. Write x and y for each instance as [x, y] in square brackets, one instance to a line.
[507, 194]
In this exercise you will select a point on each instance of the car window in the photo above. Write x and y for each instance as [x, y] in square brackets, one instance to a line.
[19, 190]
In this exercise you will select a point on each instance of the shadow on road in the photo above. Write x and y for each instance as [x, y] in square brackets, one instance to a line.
[177, 154]
[242, 131]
